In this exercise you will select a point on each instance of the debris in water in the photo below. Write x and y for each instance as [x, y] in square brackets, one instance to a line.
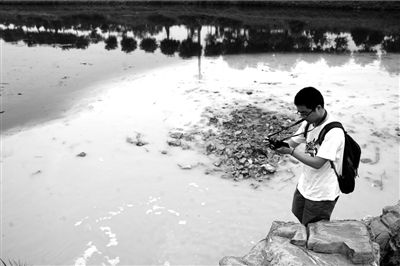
[174, 142]
[185, 167]
[235, 139]
[138, 142]
[366, 160]
[176, 135]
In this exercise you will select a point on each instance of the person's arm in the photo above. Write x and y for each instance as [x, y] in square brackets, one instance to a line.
[314, 162]
[292, 143]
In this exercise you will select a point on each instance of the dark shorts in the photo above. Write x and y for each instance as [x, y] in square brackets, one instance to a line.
[309, 211]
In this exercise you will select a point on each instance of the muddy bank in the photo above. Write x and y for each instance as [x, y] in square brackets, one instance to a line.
[132, 14]
[349, 4]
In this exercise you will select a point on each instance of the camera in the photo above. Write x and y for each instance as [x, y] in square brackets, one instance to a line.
[276, 144]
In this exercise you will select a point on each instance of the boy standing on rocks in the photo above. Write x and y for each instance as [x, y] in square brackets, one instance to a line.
[317, 189]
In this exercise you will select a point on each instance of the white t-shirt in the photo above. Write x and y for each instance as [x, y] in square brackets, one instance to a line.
[321, 184]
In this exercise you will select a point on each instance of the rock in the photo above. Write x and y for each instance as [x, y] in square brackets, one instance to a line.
[164, 152]
[392, 209]
[254, 257]
[332, 243]
[220, 148]
[185, 146]
[231, 261]
[189, 136]
[366, 160]
[269, 168]
[385, 230]
[350, 238]
[381, 234]
[210, 148]
[218, 163]
[138, 142]
[295, 232]
[82, 154]
[185, 167]
[389, 218]
[37, 172]
[213, 120]
[176, 135]
[174, 142]
[280, 251]
[338, 243]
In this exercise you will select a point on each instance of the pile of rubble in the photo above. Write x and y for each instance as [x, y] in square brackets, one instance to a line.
[237, 140]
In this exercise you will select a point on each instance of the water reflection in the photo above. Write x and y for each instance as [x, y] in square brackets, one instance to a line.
[169, 47]
[128, 44]
[207, 35]
[149, 45]
[111, 43]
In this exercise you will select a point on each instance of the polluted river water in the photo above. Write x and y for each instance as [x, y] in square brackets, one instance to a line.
[126, 204]
[76, 190]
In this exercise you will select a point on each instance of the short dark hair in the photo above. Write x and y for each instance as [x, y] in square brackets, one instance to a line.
[310, 97]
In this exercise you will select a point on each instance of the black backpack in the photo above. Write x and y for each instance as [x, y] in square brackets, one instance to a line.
[351, 157]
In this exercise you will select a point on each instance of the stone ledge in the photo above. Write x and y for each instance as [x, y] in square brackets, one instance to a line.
[349, 238]
[328, 243]
[373, 241]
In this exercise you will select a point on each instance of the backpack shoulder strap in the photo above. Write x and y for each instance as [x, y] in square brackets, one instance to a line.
[322, 134]
[326, 129]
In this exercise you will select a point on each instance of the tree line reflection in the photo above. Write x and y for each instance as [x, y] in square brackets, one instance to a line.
[206, 35]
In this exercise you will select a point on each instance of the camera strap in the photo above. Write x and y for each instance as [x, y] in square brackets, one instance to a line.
[306, 130]
[286, 128]
[295, 135]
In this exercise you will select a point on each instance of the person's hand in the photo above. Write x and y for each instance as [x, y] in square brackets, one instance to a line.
[276, 144]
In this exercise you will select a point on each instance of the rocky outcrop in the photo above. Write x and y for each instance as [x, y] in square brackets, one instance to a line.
[385, 231]
[349, 238]
[373, 241]
[322, 243]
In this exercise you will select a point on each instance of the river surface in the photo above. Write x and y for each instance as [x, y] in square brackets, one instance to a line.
[122, 204]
